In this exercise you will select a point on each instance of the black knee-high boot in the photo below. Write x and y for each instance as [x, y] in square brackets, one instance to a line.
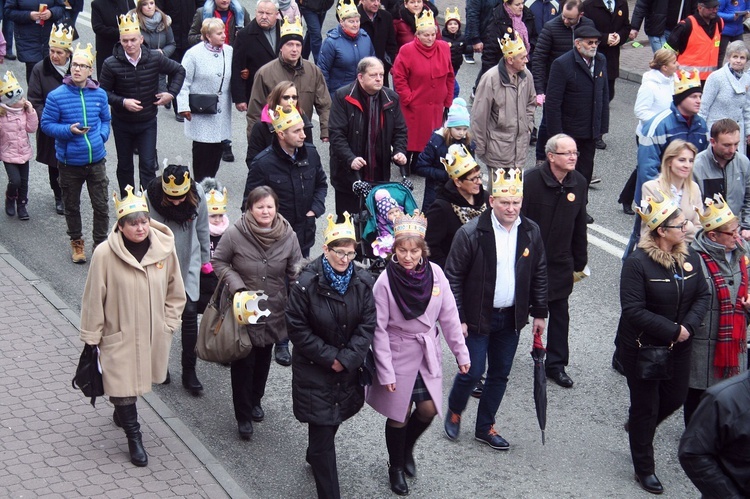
[189, 339]
[394, 441]
[414, 429]
[128, 418]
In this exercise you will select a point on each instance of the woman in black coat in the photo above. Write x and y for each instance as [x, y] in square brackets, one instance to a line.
[664, 298]
[32, 28]
[501, 24]
[330, 319]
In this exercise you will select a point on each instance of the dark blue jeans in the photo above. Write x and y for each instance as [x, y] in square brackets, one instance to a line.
[128, 136]
[314, 37]
[496, 351]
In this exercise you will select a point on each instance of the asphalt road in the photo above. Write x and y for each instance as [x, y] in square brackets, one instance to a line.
[586, 454]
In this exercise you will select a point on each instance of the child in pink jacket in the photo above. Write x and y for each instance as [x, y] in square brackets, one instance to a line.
[17, 120]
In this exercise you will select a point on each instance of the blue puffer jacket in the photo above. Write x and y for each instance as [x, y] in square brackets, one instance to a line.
[32, 39]
[69, 104]
[339, 56]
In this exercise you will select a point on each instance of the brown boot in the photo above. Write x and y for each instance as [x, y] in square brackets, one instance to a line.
[79, 255]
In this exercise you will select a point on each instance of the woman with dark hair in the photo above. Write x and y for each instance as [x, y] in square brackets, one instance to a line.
[405, 19]
[259, 252]
[179, 203]
[331, 319]
[508, 17]
[664, 298]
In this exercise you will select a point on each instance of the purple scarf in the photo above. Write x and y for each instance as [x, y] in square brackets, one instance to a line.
[412, 289]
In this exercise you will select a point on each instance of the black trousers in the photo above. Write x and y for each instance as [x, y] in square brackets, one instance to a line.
[206, 159]
[557, 335]
[628, 191]
[586, 153]
[249, 376]
[321, 454]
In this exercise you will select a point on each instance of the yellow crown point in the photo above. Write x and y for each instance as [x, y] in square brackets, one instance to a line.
[86, 53]
[716, 214]
[512, 46]
[685, 80]
[172, 189]
[510, 186]
[425, 19]
[128, 24]
[132, 203]
[346, 8]
[410, 225]
[216, 202]
[336, 231]
[291, 28]
[8, 83]
[281, 120]
[653, 211]
[458, 161]
[247, 307]
[452, 15]
[61, 37]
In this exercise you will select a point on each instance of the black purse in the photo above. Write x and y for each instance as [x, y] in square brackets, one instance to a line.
[88, 379]
[366, 373]
[208, 103]
[654, 363]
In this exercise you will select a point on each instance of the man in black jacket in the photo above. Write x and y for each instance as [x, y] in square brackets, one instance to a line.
[131, 78]
[659, 18]
[555, 198]
[367, 132]
[498, 274]
[378, 23]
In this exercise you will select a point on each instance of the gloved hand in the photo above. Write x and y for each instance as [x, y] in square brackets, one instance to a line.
[361, 188]
[207, 268]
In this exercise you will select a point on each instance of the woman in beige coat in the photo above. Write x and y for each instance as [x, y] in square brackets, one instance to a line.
[135, 270]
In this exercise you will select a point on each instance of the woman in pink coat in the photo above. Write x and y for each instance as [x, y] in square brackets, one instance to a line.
[410, 297]
[423, 78]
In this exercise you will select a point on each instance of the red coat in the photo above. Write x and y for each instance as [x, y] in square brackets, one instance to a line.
[423, 78]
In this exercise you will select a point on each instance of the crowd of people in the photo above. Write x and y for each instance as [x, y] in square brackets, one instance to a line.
[480, 261]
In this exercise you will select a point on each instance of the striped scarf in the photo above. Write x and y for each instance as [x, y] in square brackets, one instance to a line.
[732, 323]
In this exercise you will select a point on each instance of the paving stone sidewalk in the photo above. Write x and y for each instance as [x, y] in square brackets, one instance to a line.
[52, 442]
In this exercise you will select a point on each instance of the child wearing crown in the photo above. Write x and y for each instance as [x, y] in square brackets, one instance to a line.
[17, 120]
[457, 41]
[218, 222]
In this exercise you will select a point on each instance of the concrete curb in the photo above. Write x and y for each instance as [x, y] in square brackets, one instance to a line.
[214, 467]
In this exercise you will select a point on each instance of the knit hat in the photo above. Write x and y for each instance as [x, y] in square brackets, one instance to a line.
[384, 202]
[10, 90]
[685, 84]
[291, 31]
[458, 115]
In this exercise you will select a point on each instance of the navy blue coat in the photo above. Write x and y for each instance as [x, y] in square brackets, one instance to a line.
[339, 56]
[32, 39]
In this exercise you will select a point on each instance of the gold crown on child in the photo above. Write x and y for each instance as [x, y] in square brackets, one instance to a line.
[281, 120]
[654, 212]
[512, 45]
[458, 161]
[87, 53]
[291, 28]
[507, 186]
[425, 20]
[172, 189]
[8, 83]
[685, 80]
[128, 24]
[716, 214]
[346, 9]
[246, 307]
[334, 231]
[132, 203]
[216, 202]
[61, 37]
[410, 225]
[452, 15]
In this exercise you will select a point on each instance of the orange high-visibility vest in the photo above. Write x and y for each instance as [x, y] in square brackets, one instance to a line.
[701, 52]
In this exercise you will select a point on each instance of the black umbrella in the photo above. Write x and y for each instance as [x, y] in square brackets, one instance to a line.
[540, 382]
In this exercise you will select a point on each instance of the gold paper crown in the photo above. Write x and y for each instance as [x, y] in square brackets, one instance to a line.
[425, 19]
[512, 46]
[291, 28]
[653, 212]
[452, 15]
[128, 24]
[716, 214]
[512, 186]
[246, 309]
[217, 202]
[684, 80]
[86, 53]
[458, 161]
[346, 9]
[172, 189]
[335, 231]
[131, 204]
[410, 225]
[281, 120]
[8, 83]
[61, 37]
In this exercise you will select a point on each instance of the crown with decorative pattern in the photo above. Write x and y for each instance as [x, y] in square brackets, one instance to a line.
[346, 8]
[216, 202]
[171, 188]
[9, 83]
[425, 19]
[291, 28]
[458, 161]
[281, 120]
[336, 231]
[685, 80]
[410, 225]
[716, 214]
[452, 15]
[128, 24]
[246, 307]
[61, 37]
[132, 203]
[87, 53]
[654, 212]
[512, 45]
[507, 186]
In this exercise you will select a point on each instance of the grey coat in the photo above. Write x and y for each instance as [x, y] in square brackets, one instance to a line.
[704, 338]
[733, 182]
[725, 96]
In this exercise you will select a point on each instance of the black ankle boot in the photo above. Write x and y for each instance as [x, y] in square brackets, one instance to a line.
[59, 206]
[414, 429]
[398, 480]
[395, 439]
[10, 205]
[23, 214]
[190, 381]
[128, 417]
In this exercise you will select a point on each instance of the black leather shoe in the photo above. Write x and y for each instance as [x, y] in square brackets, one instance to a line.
[245, 429]
[452, 424]
[649, 483]
[168, 380]
[600, 144]
[478, 389]
[561, 378]
[398, 480]
[257, 414]
[11, 57]
[589, 219]
[59, 206]
[282, 355]
[190, 381]
[627, 209]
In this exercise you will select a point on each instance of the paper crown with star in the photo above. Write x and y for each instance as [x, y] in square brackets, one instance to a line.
[281, 120]
[172, 189]
[458, 161]
[654, 211]
[512, 45]
[247, 307]
[86, 53]
[334, 231]
[410, 225]
[61, 37]
[507, 183]
[452, 15]
[291, 28]
[716, 214]
[216, 201]
[8, 83]
[425, 20]
[346, 8]
[685, 80]
[128, 24]
[132, 203]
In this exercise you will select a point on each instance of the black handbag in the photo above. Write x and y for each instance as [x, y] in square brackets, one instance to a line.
[654, 363]
[88, 379]
[366, 373]
[207, 103]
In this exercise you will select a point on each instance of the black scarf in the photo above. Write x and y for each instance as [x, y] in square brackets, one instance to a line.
[182, 213]
[411, 289]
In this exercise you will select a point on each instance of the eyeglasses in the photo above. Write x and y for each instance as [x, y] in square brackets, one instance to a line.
[289, 97]
[734, 232]
[343, 254]
[567, 154]
[682, 226]
[591, 42]
[477, 179]
[75, 65]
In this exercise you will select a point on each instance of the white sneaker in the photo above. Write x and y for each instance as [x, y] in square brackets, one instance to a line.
[469, 59]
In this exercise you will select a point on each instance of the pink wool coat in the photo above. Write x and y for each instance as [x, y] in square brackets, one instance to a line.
[15, 127]
[402, 348]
